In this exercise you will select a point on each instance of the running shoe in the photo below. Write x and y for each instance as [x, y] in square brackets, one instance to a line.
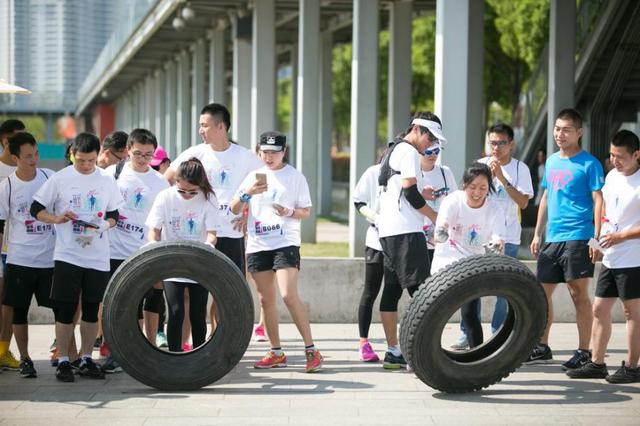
[392, 362]
[367, 354]
[590, 370]
[27, 370]
[578, 359]
[76, 364]
[64, 373]
[259, 334]
[9, 362]
[541, 354]
[97, 343]
[624, 374]
[111, 366]
[90, 369]
[461, 344]
[314, 361]
[186, 347]
[271, 360]
[161, 340]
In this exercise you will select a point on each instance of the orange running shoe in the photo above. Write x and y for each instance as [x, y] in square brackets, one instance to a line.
[271, 360]
[314, 361]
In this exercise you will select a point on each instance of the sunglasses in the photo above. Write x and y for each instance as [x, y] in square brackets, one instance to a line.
[432, 151]
[183, 192]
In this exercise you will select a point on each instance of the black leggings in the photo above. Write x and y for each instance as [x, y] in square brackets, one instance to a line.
[197, 313]
[373, 273]
[472, 322]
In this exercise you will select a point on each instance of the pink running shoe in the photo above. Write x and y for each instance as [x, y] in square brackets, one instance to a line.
[367, 353]
[186, 347]
[259, 334]
[271, 360]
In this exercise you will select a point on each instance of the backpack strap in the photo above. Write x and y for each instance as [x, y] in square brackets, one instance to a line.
[444, 178]
[119, 168]
[9, 202]
[386, 172]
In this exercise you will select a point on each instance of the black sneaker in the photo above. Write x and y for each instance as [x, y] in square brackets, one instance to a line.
[541, 354]
[590, 370]
[90, 369]
[624, 374]
[27, 370]
[64, 373]
[392, 362]
[111, 366]
[76, 364]
[578, 359]
[97, 343]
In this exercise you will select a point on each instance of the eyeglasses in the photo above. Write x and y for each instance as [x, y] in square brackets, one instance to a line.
[137, 154]
[183, 192]
[498, 143]
[432, 151]
[114, 154]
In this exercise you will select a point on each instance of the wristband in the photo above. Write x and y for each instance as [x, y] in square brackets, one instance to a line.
[244, 197]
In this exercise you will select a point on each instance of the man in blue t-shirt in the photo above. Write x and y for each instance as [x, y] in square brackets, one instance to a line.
[572, 203]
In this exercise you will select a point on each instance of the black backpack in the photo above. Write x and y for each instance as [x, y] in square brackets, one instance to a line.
[386, 172]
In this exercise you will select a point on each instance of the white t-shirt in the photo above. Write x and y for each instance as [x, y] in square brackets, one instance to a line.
[138, 192]
[469, 229]
[32, 242]
[440, 178]
[90, 197]
[5, 170]
[266, 230]
[367, 191]
[517, 173]
[225, 170]
[397, 216]
[183, 220]
[622, 207]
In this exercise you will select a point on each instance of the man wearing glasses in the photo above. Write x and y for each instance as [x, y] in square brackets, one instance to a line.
[113, 150]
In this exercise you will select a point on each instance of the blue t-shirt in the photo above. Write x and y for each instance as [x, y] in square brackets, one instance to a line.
[569, 183]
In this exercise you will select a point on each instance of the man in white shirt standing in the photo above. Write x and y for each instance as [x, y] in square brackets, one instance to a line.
[7, 166]
[30, 260]
[620, 273]
[514, 189]
[82, 201]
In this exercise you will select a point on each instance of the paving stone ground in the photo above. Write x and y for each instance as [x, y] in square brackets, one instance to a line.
[347, 392]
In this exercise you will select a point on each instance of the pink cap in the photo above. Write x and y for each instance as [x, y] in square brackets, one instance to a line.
[158, 156]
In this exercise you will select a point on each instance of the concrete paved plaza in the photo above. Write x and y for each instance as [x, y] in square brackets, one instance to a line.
[347, 392]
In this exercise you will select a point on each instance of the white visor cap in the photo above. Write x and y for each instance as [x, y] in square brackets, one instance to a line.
[434, 127]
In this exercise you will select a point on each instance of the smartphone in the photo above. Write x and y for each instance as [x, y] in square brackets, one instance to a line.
[262, 178]
[87, 224]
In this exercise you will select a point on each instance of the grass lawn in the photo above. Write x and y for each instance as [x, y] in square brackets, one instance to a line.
[325, 250]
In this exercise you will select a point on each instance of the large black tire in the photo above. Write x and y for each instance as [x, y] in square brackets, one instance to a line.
[443, 294]
[169, 371]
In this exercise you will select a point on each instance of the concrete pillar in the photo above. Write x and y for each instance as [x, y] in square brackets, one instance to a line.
[263, 70]
[562, 64]
[49, 123]
[170, 112]
[183, 102]
[364, 108]
[325, 126]
[133, 121]
[160, 99]
[198, 94]
[399, 83]
[459, 81]
[293, 114]
[217, 80]
[149, 103]
[241, 90]
[307, 111]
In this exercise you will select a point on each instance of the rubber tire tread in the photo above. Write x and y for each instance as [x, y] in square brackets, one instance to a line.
[443, 293]
[160, 369]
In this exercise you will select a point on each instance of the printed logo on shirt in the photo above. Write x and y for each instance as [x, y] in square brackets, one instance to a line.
[23, 210]
[221, 178]
[185, 226]
[558, 179]
[472, 237]
[136, 200]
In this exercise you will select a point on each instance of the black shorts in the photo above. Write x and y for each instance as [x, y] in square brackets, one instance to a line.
[373, 256]
[272, 260]
[23, 282]
[114, 264]
[564, 261]
[70, 280]
[619, 282]
[406, 256]
[233, 248]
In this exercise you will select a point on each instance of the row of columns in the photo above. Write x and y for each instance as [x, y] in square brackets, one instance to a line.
[168, 101]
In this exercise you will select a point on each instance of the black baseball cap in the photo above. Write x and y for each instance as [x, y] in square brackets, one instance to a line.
[272, 141]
